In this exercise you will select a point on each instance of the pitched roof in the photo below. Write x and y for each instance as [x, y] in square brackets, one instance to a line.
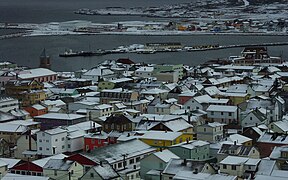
[222, 108]
[114, 152]
[105, 171]
[34, 73]
[239, 138]
[58, 164]
[234, 160]
[166, 155]
[160, 135]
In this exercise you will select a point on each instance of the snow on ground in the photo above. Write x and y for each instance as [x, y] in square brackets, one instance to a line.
[246, 3]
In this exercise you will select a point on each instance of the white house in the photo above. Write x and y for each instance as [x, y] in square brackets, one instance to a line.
[64, 139]
[212, 132]
[100, 110]
[233, 165]
[98, 73]
[51, 142]
[202, 102]
[253, 118]
[223, 114]
[144, 72]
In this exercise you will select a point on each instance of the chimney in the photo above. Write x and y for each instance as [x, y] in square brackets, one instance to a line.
[128, 135]
[195, 171]
[189, 119]
[184, 162]
[30, 144]
[187, 140]
[100, 163]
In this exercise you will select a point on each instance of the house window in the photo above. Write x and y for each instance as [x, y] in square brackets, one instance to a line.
[204, 129]
[230, 113]
[224, 166]
[55, 172]
[69, 145]
[251, 118]
[47, 149]
[56, 140]
[62, 138]
[91, 175]
[212, 112]
[233, 167]
[222, 113]
[72, 172]
[131, 161]
[63, 147]
[119, 165]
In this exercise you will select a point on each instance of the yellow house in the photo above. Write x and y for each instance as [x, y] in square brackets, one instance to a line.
[63, 169]
[28, 92]
[163, 139]
[235, 98]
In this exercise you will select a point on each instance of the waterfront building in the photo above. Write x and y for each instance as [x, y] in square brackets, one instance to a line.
[256, 56]
[177, 69]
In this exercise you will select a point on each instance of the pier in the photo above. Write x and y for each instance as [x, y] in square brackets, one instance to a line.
[14, 35]
[154, 50]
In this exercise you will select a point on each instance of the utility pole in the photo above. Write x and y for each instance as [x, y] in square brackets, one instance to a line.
[69, 175]
[124, 160]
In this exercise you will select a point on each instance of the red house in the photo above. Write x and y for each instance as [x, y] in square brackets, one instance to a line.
[36, 110]
[83, 160]
[184, 97]
[96, 140]
[27, 168]
[268, 141]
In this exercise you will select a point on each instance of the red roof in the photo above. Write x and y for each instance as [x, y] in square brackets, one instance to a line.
[125, 61]
[28, 166]
[81, 159]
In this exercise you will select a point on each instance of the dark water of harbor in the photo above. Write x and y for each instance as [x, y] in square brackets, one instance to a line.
[25, 51]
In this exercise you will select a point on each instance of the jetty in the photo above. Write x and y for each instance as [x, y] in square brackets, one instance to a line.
[145, 50]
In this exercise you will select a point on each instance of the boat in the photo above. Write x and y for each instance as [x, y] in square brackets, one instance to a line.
[70, 53]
